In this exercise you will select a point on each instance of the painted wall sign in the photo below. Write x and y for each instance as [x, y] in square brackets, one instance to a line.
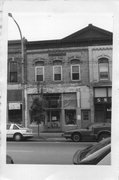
[103, 100]
[14, 106]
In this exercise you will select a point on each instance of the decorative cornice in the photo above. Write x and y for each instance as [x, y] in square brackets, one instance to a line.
[101, 48]
[64, 50]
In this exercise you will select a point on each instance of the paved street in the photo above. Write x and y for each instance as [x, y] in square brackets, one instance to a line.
[43, 152]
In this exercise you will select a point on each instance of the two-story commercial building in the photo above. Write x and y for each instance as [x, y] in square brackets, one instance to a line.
[74, 74]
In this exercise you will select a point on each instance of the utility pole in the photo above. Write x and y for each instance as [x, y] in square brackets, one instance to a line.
[22, 64]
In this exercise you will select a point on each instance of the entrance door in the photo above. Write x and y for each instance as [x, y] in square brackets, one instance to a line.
[99, 116]
[54, 119]
[100, 113]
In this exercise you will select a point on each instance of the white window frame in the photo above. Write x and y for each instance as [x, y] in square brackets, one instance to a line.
[79, 72]
[36, 67]
[54, 73]
[103, 79]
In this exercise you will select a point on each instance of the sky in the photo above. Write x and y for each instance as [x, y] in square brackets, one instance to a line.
[50, 21]
[51, 26]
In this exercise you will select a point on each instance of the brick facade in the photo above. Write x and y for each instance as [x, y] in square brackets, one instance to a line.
[80, 50]
[14, 87]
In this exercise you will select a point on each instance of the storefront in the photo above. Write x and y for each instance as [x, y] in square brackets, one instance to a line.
[14, 106]
[62, 110]
[102, 104]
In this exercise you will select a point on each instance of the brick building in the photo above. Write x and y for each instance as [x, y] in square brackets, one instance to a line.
[14, 79]
[101, 81]
[66, 71]
[75, 76]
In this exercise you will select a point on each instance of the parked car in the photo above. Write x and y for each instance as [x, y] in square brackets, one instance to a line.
[17, 132]
[9, 160]
[95, 131]
[99, 153]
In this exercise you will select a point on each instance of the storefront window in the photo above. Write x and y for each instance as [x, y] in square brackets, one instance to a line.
[53, 101]
[15, 115]
[70, 116]
[69, 101]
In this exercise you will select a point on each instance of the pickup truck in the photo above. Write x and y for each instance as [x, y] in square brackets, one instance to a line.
[95, 131]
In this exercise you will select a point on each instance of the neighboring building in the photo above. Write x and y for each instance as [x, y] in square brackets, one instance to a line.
[14, 78]
[66, 72]
[101, 81]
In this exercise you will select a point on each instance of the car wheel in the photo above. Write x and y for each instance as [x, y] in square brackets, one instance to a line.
[17, 137]
[103, 136]
[76, 137]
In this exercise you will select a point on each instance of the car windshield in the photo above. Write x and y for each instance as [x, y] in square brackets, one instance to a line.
[97, 156]
[92, 149]
[20, 125]
[93, 125]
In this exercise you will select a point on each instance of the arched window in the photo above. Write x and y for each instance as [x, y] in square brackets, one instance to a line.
[57, 70]
[57, 73]
[103, 69]
[13, 71]
[39, 71]
[75, 69]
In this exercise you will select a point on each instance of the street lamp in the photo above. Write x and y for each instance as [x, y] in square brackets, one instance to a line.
[22, 62]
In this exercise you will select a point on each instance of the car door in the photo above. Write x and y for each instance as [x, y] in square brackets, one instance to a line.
[88, 132]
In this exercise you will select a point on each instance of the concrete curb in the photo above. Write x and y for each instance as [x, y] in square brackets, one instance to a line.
[46, 139]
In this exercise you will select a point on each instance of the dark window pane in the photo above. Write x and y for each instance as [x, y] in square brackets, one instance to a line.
[57, 77]
[70, 116]
[13, 67]
[13, 76]
[39, 77]
[104, 75]
[75, 76]
[85, 115]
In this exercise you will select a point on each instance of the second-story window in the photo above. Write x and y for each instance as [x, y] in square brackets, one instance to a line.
[39, 73]
[103, 69]
[57, 73]
[13, 72]
[75, 72]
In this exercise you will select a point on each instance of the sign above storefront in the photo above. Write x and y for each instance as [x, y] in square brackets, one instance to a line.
[13, 106]
[103, 100]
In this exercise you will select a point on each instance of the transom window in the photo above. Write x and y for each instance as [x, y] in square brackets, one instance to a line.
[57, 73]
[75, 72]
[13, 71]
[103, 69]
[39, 73]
